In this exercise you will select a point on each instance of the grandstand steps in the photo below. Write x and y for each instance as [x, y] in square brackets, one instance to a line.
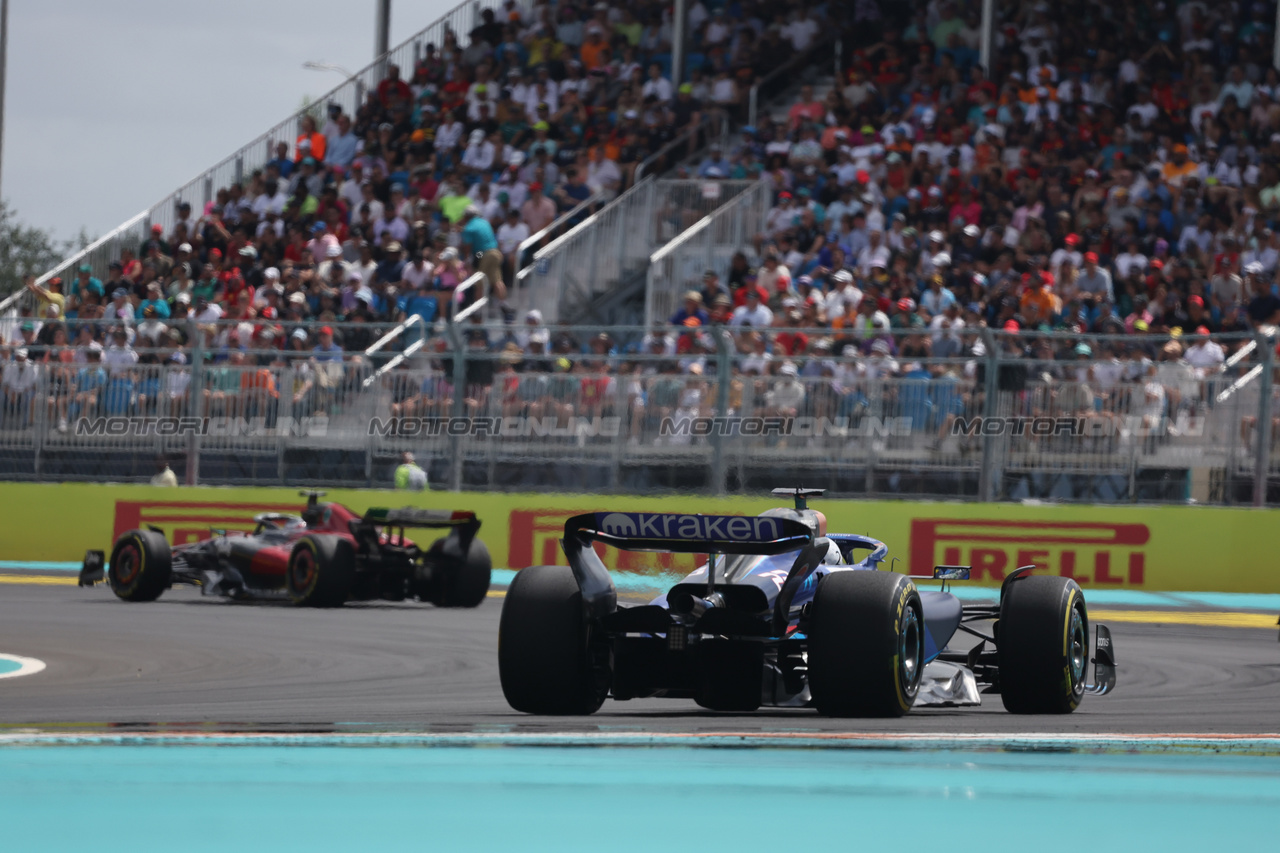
[619, 305]
[777, 108]
[595, 267]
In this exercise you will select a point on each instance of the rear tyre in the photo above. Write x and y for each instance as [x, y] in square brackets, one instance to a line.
[1043, 643]
[866, 644]
[321, 570]
[141, 566]
[543, 660]
[455, 580]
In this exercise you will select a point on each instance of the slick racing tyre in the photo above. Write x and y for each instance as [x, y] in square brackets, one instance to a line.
[453, 580]
[543, 646]
[866, 644]
[320, 571]
[141, 566]
[1043, 643]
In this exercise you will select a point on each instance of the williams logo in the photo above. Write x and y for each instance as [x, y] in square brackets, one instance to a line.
[1089, 552]
[618, 524]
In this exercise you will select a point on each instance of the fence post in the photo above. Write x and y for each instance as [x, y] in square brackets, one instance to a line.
[285, 415]
[724, 376]
[591, 275]
[986, 476]
[239, 168]
[1262, 456]
[39, 422]
[459, 389]
[196, 396]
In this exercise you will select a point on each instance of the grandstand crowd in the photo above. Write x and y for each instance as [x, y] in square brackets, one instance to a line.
[1116, 172]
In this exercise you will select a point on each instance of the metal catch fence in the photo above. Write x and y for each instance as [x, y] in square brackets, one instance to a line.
[640, 410]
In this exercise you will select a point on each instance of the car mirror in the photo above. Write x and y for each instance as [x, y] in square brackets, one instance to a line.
[951, 573]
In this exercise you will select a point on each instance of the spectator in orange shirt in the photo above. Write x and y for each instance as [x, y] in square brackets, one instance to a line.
[593, 50]
[1037, 303]
[1179, 166]
[311, 143]
[258, 393]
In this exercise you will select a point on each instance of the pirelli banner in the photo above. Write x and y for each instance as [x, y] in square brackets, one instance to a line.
[1110, 547]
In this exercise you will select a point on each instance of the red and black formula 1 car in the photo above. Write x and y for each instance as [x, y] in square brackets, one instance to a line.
[324, 557]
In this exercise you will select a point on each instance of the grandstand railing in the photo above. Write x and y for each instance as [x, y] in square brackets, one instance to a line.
[639, 414]
[238, 166]
[783, 77]
[709, 244]
[712, 127]
[614, 243]
[557, 227]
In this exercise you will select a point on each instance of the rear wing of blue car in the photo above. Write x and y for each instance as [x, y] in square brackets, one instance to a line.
[682, 533]
[670, 532]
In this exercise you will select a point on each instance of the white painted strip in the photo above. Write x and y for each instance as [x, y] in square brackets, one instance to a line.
[26, 666]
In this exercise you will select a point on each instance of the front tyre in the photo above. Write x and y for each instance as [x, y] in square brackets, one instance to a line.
[141, 566]
[866, 644]
[543, 660]
[321, 570]
[1043, 643]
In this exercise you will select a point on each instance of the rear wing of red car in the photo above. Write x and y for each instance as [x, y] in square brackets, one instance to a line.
[415, 517]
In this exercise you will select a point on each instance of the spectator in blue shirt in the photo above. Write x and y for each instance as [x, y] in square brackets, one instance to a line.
[85, 283]
[421, 302]
[284, 166]
[573, 193]
[391, 270]
[479, 242]
[714, 166]
[155, 299]
[327, 350]
[342, 148]
[692, 311]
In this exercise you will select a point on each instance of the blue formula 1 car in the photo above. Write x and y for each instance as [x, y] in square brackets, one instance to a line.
[785, 614]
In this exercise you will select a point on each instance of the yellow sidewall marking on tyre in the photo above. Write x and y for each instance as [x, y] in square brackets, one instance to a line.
[1066, 643]
[897, 630]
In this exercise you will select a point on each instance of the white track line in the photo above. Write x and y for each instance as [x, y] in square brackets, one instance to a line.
[26, 666]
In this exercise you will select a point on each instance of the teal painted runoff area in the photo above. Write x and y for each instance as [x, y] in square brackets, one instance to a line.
[139, 798]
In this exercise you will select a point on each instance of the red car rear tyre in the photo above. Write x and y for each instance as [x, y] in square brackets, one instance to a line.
[321, 569]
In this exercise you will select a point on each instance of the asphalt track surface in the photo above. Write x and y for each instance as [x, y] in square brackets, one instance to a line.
[187, 660]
